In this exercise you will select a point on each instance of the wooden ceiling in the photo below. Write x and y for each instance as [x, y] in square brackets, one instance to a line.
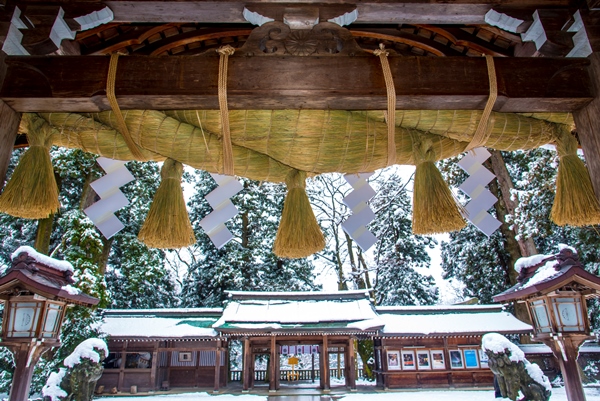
[197, 38]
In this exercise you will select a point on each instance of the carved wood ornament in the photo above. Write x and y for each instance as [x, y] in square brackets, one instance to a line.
[324, 39]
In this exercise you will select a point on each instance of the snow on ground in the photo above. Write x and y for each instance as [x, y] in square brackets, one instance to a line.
[558, 394]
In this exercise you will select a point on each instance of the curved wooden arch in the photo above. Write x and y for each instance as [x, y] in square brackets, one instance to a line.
[191, 37]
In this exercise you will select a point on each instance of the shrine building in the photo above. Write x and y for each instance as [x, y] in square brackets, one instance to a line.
[414, 346]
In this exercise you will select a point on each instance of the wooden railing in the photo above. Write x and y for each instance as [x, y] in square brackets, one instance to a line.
[261, 375]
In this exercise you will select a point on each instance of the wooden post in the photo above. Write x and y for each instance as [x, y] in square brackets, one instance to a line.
[378, 362]
[217, 385]
[350, 361]
[384, 364]
[26, 356]
[587, 118]
[273, 365]
[9, 125]
[587, 121]
[246, 365]
[122, 366]
[567, 360]
[324, 362]
[154, 366]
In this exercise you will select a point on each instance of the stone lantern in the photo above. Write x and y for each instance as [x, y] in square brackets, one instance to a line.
[36, 292]
[555, 290]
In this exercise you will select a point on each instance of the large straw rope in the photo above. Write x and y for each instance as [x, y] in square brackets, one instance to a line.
[268, 143]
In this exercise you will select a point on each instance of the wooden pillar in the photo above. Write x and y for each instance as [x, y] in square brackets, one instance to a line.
[567, 360]
[217, 385]
[350, 362]
[122, 366]
[324, 364]
[26, 356]
[9, 125]
[587, 118]
[384, 365]
[274, 371]
[154, 369]
[378, 364]
[246, 364]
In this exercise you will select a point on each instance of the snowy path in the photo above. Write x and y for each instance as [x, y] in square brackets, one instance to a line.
[558, 394]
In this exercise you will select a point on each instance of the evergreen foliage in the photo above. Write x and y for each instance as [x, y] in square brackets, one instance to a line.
[247, 262]
[74, 238]
[484, 264]
[391, 267]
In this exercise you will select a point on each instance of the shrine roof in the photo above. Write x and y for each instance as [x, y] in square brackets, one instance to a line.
[449, 320]
[299, 311]
[345, 312]
[189, 323]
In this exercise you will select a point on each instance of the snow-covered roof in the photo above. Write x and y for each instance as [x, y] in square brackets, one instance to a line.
[450, 319]
[545, 273]
[299, 311]
[160, 323]
[436, 309]
[587, 347]
[61, 265]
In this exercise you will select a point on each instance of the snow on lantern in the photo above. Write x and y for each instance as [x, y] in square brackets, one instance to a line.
[35, 290]
[555, 289]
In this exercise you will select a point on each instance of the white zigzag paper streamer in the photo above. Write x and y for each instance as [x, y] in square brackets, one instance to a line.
[223, 209]
[362, 214]
[102, 213]
[474, 186]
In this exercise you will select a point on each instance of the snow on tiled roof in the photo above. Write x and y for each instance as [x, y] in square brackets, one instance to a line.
[157, 323]
[61, 265]
[290, 312]
[451, 320]
[428, 309]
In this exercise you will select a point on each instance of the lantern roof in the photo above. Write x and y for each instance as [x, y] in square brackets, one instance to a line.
[543, 274]
[32, 272]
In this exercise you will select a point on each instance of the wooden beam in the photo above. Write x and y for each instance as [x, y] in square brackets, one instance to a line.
[9, 125]
[369, 11]
[52, 84]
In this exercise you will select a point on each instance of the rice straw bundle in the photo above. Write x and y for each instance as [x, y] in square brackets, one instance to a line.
[167, 224]
[267, 144]
[434, 208]
[299, 234]
[32, 192]
[575, 202]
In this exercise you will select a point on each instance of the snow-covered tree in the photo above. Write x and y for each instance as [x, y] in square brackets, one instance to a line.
[486, 265]
[399, 253]
[247, 262]
[389, 267]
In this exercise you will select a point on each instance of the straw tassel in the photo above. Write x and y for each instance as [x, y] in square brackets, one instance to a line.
[168, 224]
[575, 202]
[299, 234]
[434, 207]
[32, 192]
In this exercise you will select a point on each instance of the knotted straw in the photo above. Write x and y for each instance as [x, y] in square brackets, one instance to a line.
[112, 100]
[482, 133]
[225, 52]
[391, 102]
